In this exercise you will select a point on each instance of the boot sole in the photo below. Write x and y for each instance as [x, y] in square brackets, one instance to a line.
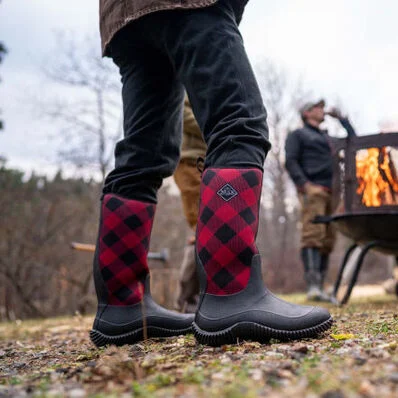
[99, 339]
[255, 332]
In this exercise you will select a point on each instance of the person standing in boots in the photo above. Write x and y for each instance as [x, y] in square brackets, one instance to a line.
[161, 48]
[187, 177]
[309, 162]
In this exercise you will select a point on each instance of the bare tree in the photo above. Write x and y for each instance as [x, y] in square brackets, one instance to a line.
[282, 96]
[39, 274]
[3, 52]
[86, 102]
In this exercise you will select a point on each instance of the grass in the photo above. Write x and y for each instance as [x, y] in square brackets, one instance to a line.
[357, 357]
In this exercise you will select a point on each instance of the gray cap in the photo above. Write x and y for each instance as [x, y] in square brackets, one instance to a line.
[308, 105]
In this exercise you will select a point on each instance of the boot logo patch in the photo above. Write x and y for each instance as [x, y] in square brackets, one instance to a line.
[227, 192]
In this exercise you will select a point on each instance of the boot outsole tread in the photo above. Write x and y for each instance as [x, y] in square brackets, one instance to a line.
[99, 339]
[255, 332]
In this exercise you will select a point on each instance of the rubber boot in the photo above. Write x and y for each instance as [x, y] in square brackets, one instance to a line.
[126, 311]
[314, 273]
[234, 304]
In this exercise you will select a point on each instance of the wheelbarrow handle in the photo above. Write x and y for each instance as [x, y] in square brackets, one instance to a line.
[322, 220]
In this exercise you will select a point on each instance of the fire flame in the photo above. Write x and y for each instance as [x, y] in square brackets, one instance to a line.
[377, 184]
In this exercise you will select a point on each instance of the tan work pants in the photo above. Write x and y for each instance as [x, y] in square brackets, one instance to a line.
[187, 178]
[316, 202]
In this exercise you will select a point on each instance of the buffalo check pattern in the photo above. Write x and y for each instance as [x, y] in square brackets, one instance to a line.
[123, 247]
[227, 227]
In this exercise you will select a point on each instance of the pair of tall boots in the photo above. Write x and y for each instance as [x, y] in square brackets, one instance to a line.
[315, 269]
[234, 303]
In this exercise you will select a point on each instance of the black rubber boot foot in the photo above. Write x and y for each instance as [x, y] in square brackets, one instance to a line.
[255, 332]
[99, 339]
[119, 325]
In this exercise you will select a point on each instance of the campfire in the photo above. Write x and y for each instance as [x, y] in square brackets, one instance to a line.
[377, 175]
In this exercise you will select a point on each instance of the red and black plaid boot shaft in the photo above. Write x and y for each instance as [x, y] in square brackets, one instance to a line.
[227, 227]
[234, 303]
[123, 248]
[121, 277]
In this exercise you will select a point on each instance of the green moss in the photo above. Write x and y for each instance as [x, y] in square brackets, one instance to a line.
[163, 380]
[192, 375]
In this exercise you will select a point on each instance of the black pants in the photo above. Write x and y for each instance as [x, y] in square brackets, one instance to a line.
[158, 56]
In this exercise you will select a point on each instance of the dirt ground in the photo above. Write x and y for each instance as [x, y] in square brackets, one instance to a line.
[357, 358]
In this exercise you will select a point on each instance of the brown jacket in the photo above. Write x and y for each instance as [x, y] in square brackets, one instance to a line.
[115, 14]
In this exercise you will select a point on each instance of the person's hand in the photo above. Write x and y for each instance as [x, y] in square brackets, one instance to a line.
[304, 188]
[336, 113]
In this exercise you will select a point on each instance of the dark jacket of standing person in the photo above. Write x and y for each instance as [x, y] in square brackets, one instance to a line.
[309, 153]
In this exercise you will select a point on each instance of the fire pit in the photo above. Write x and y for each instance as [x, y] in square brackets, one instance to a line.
[366, 177]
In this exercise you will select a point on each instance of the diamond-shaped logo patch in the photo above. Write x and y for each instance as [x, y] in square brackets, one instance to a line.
[227, 192]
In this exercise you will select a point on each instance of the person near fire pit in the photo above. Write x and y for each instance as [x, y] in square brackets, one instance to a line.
[187, 177]
[309, 162]
[163, 47]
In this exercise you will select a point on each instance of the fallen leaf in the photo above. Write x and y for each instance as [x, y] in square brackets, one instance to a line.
[342, 336]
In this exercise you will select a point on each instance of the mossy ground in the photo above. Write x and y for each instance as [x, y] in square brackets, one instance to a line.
[357, 357]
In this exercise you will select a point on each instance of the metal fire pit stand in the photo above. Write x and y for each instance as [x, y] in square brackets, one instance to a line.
[347, 255]
[357, 268]
[378, 244]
